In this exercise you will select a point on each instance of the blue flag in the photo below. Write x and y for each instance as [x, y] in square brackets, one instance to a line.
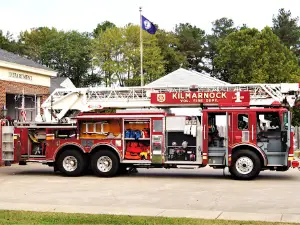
[148, 26]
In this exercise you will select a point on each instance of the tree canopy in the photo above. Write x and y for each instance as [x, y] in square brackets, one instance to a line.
[251, 56]
[110, 55]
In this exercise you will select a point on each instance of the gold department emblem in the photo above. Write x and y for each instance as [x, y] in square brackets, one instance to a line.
[161, 97]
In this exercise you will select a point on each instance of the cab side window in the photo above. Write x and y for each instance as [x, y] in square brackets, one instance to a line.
[243, 122]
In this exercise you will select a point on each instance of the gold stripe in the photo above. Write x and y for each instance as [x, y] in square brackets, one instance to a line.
[291, 158]
[204, 157]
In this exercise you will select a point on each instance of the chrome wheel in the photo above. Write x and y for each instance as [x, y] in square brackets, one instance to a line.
[70, 163]
[244, 165]
[104, 164]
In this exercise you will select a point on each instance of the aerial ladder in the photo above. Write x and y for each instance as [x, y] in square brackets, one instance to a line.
[63, 100]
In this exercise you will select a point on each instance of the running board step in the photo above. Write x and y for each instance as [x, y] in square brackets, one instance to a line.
[187, 167]
[34, 156]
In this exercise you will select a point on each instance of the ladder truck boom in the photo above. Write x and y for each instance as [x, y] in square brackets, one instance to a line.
[86, 99]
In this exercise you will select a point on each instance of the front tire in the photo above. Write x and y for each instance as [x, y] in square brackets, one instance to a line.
[71, 163]
[246, 165]
[105, 163]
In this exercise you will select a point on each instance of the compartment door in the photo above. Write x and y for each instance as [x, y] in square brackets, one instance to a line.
[157, 140]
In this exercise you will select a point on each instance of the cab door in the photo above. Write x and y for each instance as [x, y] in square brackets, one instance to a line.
[286, 129]
[228, 139]
[243, 128]
[286, 134]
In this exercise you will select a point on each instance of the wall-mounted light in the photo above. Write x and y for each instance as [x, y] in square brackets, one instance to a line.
[4, 111]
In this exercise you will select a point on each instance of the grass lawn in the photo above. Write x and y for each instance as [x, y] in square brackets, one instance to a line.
[24, 217]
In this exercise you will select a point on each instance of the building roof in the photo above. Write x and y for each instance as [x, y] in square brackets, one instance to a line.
[14, 58]
[60, 82]
[183, 77]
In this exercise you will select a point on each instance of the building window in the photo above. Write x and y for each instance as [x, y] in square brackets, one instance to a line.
[243, 122]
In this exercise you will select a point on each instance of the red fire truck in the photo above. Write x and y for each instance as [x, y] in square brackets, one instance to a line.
[142, 132]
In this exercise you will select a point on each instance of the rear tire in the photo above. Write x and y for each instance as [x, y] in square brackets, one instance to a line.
[105, 163]
[71, 163]
[246, 165]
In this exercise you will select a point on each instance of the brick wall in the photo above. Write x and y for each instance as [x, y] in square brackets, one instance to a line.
[2, 98]
[17, 88]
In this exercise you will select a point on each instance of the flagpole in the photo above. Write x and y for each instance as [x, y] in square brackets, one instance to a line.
[141, 46]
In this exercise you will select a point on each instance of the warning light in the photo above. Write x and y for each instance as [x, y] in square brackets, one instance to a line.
[194, 88]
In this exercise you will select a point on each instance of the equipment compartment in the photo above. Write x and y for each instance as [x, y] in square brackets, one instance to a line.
[181, 134]
[106, 129]
[181, 147]
[137, 150]
[137, 139]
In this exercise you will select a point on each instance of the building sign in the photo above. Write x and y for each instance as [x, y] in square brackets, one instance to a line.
[24, 77]
[225, 98]
[21, 76]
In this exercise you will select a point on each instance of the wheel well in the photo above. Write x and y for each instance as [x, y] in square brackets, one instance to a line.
[247, 147]
[67, 147]
[105, 147]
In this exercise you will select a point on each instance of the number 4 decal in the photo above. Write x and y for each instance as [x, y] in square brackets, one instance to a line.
[238, 96]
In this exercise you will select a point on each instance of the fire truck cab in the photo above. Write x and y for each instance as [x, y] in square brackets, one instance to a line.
[227, 133]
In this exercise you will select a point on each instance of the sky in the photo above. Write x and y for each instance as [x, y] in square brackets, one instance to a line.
[19, 15]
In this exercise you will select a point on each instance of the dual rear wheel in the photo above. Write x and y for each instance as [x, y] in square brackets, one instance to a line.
[73, 163]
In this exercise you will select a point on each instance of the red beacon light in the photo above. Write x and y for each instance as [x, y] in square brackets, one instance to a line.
[194, 88]
[276, 103]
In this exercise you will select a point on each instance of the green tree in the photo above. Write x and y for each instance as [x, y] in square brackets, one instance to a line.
[221, 28]
[168, 44]
[8, 43]
[191, 45]
[153, 62]
[287, 29]
[35, 40]
[107, 53]
[296, 112]
[117, 53]
[70, 54]
[101, 27]
[250, 56]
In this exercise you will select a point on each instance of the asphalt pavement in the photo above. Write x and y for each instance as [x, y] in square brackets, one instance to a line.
[202, 193]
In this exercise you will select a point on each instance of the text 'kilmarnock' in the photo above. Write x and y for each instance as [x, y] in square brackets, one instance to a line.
[199, 95]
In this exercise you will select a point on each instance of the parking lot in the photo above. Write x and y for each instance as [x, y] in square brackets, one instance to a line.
[38, 187]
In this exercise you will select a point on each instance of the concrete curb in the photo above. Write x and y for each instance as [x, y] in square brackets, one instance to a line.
[200, 214]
